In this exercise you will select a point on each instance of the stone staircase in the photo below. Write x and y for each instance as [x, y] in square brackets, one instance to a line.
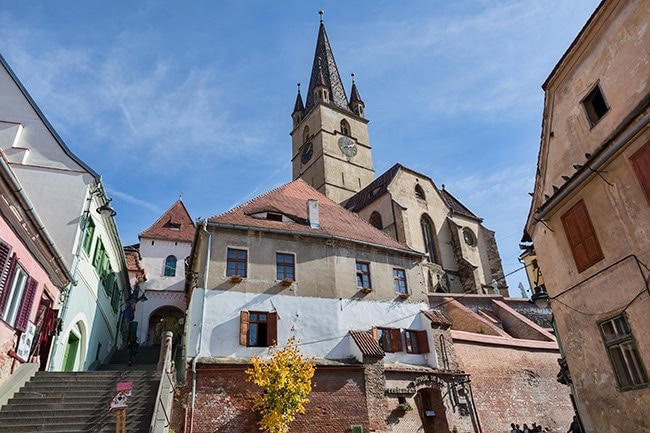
[79, 401]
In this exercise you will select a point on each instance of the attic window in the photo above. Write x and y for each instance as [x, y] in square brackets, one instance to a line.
[595, 105]
[273, 216]
[174, 226]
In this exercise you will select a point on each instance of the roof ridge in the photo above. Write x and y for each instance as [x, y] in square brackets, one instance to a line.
[233, 209]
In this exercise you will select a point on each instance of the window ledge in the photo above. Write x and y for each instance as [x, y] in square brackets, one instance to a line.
[236, 279]
[365, 289]
[286, 282]
[403, 295]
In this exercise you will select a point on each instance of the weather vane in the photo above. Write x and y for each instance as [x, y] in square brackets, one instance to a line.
[321, 12]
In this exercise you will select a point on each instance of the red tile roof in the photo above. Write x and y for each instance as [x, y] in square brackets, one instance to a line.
[290, 200]
[366, 343]
[174, 225]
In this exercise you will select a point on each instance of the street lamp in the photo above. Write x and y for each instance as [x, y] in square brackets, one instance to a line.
[540, 297]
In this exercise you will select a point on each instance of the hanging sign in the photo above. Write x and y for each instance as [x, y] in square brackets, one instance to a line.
[25, 342]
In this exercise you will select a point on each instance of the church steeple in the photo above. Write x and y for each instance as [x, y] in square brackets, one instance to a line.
[325, 73]
[330, 146]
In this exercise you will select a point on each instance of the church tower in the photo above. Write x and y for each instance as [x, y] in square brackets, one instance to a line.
[330, 143]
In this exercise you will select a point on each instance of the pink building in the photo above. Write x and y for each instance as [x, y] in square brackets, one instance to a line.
[32, 278]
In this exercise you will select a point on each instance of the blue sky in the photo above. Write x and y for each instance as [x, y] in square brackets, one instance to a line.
[164, 97]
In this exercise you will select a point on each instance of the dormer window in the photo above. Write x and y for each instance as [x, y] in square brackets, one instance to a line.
[273, 216]
[173, 226]
[595, 105]
[345, 127]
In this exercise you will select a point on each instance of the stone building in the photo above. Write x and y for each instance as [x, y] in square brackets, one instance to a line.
[590, 215]
[331, 151]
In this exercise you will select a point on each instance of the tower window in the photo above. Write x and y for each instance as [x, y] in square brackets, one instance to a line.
[345, 127]
[595, 105]
[305, 134]
[170, 266]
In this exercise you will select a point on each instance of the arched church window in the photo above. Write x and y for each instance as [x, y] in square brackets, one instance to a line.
[170, 266]
[419, 192]
[375, 220]
[429, 237]
[305, 134]
[345, 127]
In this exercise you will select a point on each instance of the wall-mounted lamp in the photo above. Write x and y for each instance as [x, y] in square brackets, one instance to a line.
[107, 210]
[540, 297]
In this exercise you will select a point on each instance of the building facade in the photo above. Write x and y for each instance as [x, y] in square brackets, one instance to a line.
[72, 204]
[162, 252]
[590, 215]
[294, 263]
[32, 276]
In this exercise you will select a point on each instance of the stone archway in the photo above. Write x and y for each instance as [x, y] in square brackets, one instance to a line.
[162, 319]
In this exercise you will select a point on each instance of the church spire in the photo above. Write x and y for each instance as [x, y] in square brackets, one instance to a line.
[298, 109]
[356, 104]
[324, 73]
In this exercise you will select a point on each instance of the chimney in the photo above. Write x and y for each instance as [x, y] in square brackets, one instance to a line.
[312, 213]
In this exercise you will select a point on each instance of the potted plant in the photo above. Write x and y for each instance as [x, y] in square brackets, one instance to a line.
[405, 407]
[286, 282]
[236, 278]
[403, 295]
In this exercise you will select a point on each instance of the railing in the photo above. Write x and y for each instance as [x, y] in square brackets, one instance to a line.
[165, 397]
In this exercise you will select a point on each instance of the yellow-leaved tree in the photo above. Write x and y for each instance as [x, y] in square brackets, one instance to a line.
[285, 377]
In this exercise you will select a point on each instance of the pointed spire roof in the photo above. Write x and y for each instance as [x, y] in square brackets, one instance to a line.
[354, 94]
[324, 68]
[298, 106]
[174, 225]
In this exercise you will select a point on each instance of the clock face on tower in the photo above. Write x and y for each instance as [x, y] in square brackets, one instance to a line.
[347, 146]
[307, 151]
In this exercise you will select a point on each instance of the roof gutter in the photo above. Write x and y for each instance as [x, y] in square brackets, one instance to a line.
[589, 169]
[40, 227]
[314, 235]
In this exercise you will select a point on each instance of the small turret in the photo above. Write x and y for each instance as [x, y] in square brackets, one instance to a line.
[298, 109]
[356, 104]
[321, 91]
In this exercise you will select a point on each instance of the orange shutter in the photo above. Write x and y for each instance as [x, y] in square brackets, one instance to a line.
[374, 333]
[641, 163]
[243, 328]
[581, 236]
[396, 340]
[272, 328]
[423, 341]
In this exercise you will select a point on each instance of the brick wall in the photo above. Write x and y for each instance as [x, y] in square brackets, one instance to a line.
[224, 400]
[515, 385]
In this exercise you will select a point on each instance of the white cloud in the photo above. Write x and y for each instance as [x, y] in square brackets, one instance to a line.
[133, 200]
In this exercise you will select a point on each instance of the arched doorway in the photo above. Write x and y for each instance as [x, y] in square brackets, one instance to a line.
[164, 319]
[431, 410]
[75, 348]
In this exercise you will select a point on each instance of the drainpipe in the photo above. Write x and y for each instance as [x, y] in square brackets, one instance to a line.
[198, 352]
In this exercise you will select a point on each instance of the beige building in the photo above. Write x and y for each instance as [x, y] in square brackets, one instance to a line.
[590, 215]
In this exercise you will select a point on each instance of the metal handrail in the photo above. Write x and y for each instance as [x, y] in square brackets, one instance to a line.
[166, 368]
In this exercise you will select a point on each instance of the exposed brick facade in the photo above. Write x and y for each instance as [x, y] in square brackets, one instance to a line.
[515, 385]
[224, 401]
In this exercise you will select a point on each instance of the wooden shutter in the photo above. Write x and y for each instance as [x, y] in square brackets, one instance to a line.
[641, 163]
[272, 328]
[6, 282]
[243, 328]
[5, 251]
[423, 341]
[26, 305]
[396, 340]
[581, 236]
